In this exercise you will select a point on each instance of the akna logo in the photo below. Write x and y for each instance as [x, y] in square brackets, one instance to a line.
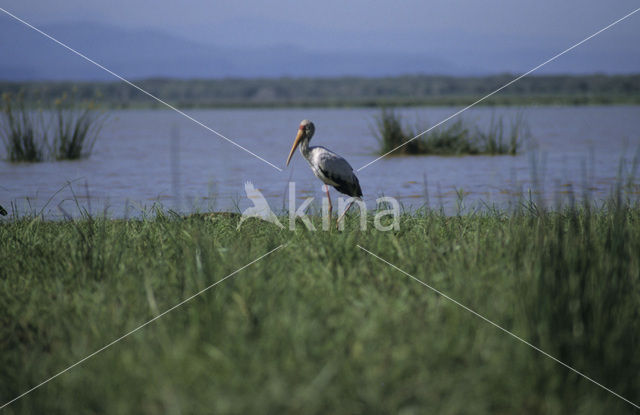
[261, 210]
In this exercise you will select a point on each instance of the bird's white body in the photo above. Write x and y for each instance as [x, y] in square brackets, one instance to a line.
[329, 167]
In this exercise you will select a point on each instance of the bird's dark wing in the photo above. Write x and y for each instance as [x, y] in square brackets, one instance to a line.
[339, 171]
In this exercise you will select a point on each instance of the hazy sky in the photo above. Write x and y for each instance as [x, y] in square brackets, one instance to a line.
[484, 31]
[343, 23]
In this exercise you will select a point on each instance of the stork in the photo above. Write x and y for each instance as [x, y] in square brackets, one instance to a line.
[329, 167]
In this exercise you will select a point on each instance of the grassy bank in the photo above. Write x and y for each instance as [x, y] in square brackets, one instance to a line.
[415, 90]
[320, 326]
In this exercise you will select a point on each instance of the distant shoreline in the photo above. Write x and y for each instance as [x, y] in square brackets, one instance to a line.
[344, 92]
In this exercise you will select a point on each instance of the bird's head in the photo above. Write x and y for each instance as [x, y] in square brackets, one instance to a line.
[305, 132]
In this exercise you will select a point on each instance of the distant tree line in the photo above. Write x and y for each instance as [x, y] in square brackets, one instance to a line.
[346, 91]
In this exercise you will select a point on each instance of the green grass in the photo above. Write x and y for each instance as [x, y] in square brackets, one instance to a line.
[66, 130]
[321, 326]
[456, 138]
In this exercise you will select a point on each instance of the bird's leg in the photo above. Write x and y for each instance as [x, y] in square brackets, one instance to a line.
[329, 198]
[344, 213]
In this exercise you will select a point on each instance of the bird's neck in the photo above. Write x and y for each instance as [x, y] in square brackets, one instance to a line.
[304, 148]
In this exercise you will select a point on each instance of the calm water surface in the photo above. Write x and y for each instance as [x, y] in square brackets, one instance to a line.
[138, 161]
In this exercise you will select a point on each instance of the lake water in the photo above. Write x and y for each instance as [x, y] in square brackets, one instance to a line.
[138, 161]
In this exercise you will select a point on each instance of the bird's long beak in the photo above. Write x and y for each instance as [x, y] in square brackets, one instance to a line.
[296, 142]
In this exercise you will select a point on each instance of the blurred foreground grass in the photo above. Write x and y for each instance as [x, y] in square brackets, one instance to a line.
[321, 326]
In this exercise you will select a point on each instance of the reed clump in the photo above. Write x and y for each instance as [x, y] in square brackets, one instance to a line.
[458, 137]
[77, 126]
[67, 129]
[23, 132]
